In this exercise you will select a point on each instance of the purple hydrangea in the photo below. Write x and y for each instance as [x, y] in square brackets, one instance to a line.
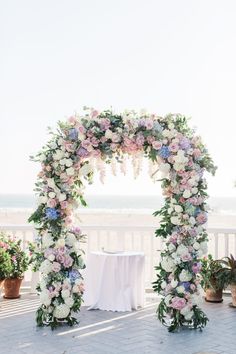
[52, 213]
[186, 285]
[82, 152]
[73, 134]
[164, 152]
[185, 144]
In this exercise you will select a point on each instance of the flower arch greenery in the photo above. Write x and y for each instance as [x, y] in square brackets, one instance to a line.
[81, 145]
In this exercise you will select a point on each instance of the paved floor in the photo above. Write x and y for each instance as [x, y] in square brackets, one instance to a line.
[102, 332]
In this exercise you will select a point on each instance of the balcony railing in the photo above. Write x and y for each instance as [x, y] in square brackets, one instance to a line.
[222, 242]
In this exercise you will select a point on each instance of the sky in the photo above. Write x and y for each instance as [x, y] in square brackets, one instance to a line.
[165, 56]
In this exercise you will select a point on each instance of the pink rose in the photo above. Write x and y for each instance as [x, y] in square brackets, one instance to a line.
[64, 204]
[201, 218]
[178, 303]
[149, 124]
[156, 145]
[56, 267]
[72, 120]
[174, 147]
[52, 203]
[68, 261]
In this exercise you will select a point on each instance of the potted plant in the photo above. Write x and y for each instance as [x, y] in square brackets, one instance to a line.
[229, 273]
[212, 280]
[19, 264]
[5, 264]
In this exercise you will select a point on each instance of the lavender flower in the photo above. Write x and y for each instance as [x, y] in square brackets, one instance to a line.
[82, 152]
[73, 134]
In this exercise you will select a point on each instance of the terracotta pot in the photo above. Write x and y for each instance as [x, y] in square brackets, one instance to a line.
[213, 295]
[12, 288]
[233, 294]
[1, 282]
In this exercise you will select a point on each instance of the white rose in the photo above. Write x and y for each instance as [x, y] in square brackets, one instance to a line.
[69, 301]
[185, 275]
[178, 208]
[70, 239]
[196, 245]
[108, 134]
[70, 171]
[58, 155]
[163, 285]
[168, 299]
[194, 190]
[180, 289]
[51, 195]
[192, 220]
[178, 166]
[62, 197]
[60, 243]
[187, 193]
[51, 257]
[69, 162]
[175, 220]
[174, 283]
[65, 293]
[170, 210]
[171, 247]
[47, 240]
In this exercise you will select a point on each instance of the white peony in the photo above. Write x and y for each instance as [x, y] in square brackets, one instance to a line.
[68, 162]
[61, 311]
[168, 264]
[51, 257]
[108, 134]
[185, 275]
[194, 190]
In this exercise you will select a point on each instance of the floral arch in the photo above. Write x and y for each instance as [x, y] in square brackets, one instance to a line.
[68, 162]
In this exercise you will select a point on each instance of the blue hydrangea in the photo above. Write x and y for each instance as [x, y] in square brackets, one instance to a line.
[186, 285]
[52, 213]
[197, 211]
[73, 134]
[74, 274]
[164, 152]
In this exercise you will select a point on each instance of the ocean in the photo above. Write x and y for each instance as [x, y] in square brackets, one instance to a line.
[118, 203]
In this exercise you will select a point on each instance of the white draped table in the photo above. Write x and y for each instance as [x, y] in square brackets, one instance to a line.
[114, 281]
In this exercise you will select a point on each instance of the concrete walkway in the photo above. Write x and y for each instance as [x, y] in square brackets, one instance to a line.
[102, 332]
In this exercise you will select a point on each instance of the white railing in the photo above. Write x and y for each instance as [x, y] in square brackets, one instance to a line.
[222, 242]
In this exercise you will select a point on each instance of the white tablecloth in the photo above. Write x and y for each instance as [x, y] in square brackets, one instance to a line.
[114, 282]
